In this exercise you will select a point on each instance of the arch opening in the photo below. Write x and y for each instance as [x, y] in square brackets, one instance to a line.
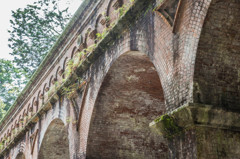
[131, 96]
[55, 143]
[20, 156]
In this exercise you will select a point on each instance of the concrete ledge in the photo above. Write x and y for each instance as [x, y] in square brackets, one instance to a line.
[192, 115]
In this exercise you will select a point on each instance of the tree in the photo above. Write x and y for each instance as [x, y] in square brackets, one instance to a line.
[2, 109]
[11, 82]
[33, 32]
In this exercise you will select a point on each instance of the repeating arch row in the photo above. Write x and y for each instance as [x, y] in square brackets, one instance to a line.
[87, 38]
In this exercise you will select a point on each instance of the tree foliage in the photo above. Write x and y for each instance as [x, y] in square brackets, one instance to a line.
[11, 82]
[33, 32]
[2, 109]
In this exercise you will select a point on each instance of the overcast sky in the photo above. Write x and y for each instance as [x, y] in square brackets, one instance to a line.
[5, 16]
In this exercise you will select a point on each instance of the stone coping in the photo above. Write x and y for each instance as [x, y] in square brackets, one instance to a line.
[192, 115]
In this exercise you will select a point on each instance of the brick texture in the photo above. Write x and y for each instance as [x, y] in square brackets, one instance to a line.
[218, 60]
[141, 70]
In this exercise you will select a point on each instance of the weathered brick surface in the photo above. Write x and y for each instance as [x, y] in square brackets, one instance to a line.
[129, 99]
[196, 60]
[183, 146]
[217, 143]
[218, 60]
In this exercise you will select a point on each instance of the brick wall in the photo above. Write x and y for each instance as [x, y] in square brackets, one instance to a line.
[217, 69]
[126, 94]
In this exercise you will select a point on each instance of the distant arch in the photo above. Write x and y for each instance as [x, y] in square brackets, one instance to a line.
[73, 51]
[99, 27]
[24, 116]
[39, 99]
[57, 74]
[108, 7]
[45, 88]
[55, 143]
[111, 10]
[97, 21]
[20, 121]
[20, 156]
[50, 81]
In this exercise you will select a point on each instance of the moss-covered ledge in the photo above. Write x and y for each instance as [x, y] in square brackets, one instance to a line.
[193, 115]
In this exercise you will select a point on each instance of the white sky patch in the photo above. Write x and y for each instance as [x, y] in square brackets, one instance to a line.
[5, 16]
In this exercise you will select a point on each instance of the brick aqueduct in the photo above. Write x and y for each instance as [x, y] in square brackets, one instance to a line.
[144, 79]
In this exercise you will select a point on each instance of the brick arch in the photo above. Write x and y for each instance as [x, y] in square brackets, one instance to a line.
[30, 110]
[121, 111]
[24, 117]
[50, 81]
[8, 133]
[39, 99]
[58, 73]
[217, 63]
[100, 69]
[108, 6]
[20, 156]
[73, 51]
[110, 13]
[5, 135]
[34, 105]
[20, 121]
[65, 65]
[20, 151]
[98, 26]
[44, 91]
[12, 131]
[89, 40]
[45, 88]
[16, 126]
[55, 142]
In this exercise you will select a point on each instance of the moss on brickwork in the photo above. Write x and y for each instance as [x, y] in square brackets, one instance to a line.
[167, 125]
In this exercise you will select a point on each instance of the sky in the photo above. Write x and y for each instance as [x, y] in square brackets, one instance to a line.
[5, 16]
